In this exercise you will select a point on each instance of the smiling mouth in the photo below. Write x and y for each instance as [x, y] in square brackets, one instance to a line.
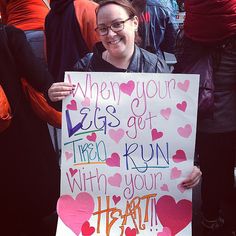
[114, 42]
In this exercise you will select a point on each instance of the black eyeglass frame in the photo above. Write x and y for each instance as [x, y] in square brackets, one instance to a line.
[111, 26]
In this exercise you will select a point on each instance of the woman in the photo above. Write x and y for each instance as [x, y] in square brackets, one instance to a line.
[29, 175]
[117, 26]
[210, 32]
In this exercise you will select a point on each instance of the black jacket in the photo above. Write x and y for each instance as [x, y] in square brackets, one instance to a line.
[142, 61]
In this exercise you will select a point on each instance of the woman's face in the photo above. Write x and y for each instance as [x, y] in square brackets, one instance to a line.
[118, 44]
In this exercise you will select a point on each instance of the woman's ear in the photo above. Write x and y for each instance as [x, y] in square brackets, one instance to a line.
[135, 22]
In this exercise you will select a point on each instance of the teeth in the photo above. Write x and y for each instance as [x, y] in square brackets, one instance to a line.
[115, 41]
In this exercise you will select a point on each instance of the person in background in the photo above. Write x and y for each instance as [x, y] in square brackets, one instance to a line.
[117, 25]
[158, 27]
[29, 16]
[69, 31]
[210, 30]
[30, 174]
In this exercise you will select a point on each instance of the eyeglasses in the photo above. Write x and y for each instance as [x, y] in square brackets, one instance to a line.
[115, 27]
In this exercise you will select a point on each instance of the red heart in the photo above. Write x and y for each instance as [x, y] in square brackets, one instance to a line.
[175, 216]
[130, 232]
[73, 171]
[87, 229]
[72, 106]
[156, 134]
[92, 137]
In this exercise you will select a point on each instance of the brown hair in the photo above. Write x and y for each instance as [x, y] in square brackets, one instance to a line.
[124, 4]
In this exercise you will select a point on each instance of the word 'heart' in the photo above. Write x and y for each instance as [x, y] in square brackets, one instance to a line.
[92, 137]
[114, 160]
[130, 232]
[115, 180]
[128, 87]
[175, 216]
[116, 199]
[86, 102]
[156, 134]
[73, 171]
[165, 232]
[74, 213]
[164, 187]
[166, 113]
[180, 156]
[86, 229]
[116, 135]
[175, 173]
[185, 131]
[72, 106]
[183, 86]
[182, 106]
[68, 155]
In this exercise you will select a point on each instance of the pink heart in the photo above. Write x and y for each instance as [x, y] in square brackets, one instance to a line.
[164, 187]
[116, 135]
[68, 155]
[183, 86]
[114, 160]
[86, 229]
[166, 113]
[130, 232]
[175, 216]
[165, 232]
[115, 180]
[182, 106]
[128, 87]
[181, 188]
[156, 134]
[75, 212]
[185, 131]
[116, 199]
[175, 173]
[86, 102]
[179, 156]
[72, 106]
[92, 137]
[73, 171]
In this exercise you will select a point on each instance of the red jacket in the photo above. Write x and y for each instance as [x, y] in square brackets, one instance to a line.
[210, 20]
[26, 14]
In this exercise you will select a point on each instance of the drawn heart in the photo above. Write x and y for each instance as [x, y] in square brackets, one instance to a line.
[166, 113]
[114, 160]
[184, 86]
[92, 137]
[181, 188]
[115, 180]
[116, 199]
[164, 187]
[175, 173]
[185, 131]
[179, 156]
[75, 212]
[182, 106]
[128, 87]
[130, 232]
[116, 135]
[72, 106]
[86, 229]
[68, 155]
[156, 134]
[86, 102]
[73, 171]
[165, 232]
[175, 216]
